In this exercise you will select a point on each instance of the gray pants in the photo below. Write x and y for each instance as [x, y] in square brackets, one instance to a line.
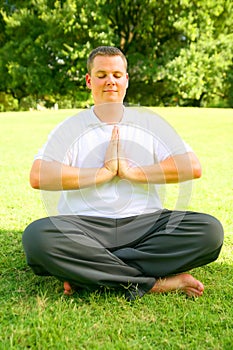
[93, 251]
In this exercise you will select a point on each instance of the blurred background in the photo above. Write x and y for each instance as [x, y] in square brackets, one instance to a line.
[179, 52]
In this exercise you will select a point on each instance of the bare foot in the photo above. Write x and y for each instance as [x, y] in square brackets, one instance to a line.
[67, 288]
[183, 282]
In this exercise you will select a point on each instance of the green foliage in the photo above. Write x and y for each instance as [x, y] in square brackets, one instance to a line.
[7, 102]
[199, 72]
[179, 52]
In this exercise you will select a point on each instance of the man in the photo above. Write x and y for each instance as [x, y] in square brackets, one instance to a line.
[111, 229]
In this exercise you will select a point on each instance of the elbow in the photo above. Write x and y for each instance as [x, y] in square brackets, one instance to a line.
[196, 166]
[34, 180]
[197, 173]
[197, 170]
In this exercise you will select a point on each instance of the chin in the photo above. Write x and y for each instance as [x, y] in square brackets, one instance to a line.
[116, 100]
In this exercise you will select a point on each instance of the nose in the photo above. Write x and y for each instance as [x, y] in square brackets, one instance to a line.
[110, 80]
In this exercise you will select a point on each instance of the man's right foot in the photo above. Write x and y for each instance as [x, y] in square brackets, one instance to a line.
[67, 288]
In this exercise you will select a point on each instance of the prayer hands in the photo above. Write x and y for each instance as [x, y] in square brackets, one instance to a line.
[111, 156]
[115, 159]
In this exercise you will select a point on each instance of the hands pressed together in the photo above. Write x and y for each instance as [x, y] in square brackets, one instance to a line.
[115, 159]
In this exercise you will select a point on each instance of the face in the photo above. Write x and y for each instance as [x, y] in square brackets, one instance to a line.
[108, 80]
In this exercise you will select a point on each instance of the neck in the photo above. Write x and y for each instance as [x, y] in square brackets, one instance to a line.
[109, 112]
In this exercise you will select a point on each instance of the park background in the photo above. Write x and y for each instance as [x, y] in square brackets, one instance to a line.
[180, 54]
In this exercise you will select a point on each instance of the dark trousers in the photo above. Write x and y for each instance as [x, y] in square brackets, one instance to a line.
[93, 251]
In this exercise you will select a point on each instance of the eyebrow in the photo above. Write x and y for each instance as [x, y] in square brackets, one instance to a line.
[103, 71]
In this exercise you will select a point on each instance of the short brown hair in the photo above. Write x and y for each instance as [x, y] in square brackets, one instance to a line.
[104, 51]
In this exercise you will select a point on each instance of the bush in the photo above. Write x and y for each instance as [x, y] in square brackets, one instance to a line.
[8, 102]
[27, 102]
[81, 99]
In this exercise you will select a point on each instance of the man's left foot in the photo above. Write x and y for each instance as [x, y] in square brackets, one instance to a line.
[183, 282]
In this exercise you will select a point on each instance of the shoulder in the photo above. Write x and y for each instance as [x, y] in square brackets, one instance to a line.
[147, 119]
[76, 123]
[82, 118]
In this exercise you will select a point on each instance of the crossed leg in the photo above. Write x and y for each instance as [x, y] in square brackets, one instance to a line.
[183, 282]
[57, 246]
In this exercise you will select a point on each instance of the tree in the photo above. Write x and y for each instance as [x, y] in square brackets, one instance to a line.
[145, 32]
[46, 48]
[178, 51]
[199, 73]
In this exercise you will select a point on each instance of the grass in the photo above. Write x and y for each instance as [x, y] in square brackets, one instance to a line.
[34, 314]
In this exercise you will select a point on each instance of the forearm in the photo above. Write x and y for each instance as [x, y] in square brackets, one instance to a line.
[55, 176]
[174, 169]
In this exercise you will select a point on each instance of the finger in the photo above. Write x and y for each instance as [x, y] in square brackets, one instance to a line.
[115, 133]
[121, 152]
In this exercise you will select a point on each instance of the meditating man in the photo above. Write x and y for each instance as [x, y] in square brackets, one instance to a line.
[111, 229]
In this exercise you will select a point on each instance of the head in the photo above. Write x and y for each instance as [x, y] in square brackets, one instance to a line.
[104, 51]
[107, 75]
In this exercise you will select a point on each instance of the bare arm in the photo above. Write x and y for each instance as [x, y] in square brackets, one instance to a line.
[177, 168]
[56, 176]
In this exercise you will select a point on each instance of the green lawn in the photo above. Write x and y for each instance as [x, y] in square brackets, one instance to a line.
[34, 314]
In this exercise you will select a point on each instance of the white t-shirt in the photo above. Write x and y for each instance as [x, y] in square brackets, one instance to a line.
[82, 140]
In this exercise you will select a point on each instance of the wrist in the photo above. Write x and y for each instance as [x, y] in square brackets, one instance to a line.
[107, 174]
[134, 174]
[127, 173]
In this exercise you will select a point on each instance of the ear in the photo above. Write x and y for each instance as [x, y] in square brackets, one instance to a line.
[127, 77]
[88, 80]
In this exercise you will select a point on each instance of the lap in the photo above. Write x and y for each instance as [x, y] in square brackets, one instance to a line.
[161, 226]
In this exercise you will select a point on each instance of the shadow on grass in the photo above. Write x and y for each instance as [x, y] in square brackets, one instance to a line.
[18, 282]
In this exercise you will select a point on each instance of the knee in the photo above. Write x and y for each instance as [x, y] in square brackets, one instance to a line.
[33, 238]
[213, 232]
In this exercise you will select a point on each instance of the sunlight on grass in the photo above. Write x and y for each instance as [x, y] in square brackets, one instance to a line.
[34, 313]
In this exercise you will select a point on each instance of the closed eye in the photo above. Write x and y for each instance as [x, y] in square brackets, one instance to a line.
[117, 75]
[101, 76]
